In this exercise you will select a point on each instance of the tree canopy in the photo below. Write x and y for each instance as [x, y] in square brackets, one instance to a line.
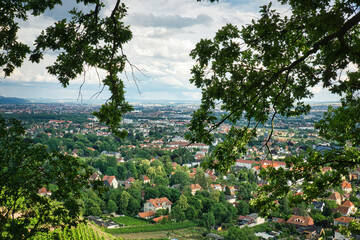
[266, 69]
[39, 190]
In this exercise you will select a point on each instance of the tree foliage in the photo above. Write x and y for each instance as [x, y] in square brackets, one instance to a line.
[25, 169]
[266, 69]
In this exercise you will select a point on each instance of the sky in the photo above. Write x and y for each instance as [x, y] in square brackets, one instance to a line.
[164, 33]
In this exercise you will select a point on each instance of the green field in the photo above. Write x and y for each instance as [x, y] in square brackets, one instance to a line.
[152, 227]
[129, 221]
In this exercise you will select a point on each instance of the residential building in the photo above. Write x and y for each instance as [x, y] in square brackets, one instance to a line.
[336, 197]
[318, 205]
[346, 186]
[44, 192]
[344, 220]
[311, 232]
[146, 179]
[300, 221]
[195, 187]
[110, 181]
[157, 203]
[216, 187]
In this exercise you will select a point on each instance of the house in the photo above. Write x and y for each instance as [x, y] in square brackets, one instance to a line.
[128, 182]
[300, 221]
[146, 215]
[44, 192]
[244, 163]
[230, 199]
[199, 155]
[110, 181]
[146, 179]
[345, 211]
[311, 232]
[94, 176]
[346, 208]
[350, 205]
[278, 220]
[344, 220]
[232, 190]
[251, 219]
[339, 236]
[157, 203]
[346, 186]
[336, 197]
[318, 205]
[216, 187]
[195, 187]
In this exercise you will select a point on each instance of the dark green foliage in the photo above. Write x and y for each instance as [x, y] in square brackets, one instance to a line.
[180, 177]
[221, 213]
[243, 208]
[25, 168]
[111, 206]
[177, 214]
[208, 220]
[236, 233]
[266, 69]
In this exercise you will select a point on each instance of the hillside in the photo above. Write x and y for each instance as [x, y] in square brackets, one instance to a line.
[12, 100]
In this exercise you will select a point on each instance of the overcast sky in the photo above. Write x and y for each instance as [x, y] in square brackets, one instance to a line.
[164, 33]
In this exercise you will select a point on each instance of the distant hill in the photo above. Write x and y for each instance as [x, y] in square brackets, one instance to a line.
[13, 100]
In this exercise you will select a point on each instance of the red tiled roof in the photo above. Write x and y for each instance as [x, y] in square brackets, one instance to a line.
[300, 220]
[94, 176]
[157, 202]
[278, 220]
[130, 179]
[195, 187]
[245, 161]
[108, 179]
[43, 190]
[344, 219]
[335, 196]
[348, 204]
[159, 218]
[146, 214]
[343, 210]
[345, 184]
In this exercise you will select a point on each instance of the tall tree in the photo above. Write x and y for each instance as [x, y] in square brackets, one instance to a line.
[267, 68]
[208, 220]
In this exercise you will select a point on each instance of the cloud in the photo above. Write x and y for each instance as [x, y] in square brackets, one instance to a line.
[168, 21]
[164, 33]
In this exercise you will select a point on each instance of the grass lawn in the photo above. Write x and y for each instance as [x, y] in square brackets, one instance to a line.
[152, 227]
[185, 233]
[130, 221]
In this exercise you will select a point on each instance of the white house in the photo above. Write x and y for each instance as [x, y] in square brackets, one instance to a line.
[110, 181]
[157, 203]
